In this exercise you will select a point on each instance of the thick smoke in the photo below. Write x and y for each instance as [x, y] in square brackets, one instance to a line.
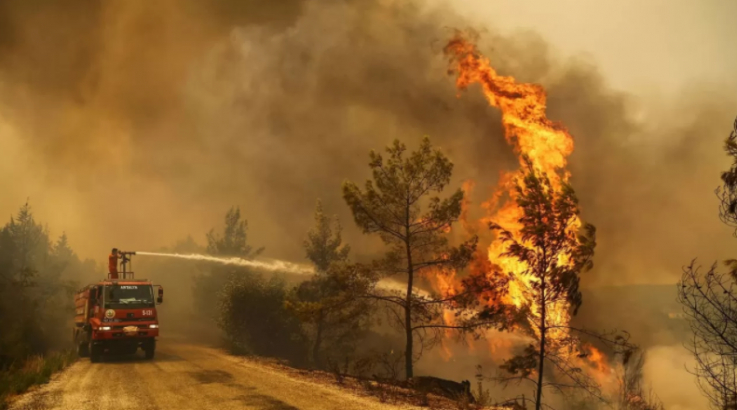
[137, 123]
[96, 115]
[133, 124]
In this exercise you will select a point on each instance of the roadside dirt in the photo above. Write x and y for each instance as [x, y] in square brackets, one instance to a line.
[185, 376]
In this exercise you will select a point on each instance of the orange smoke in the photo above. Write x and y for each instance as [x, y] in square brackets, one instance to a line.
[600, 368]
[598, 360]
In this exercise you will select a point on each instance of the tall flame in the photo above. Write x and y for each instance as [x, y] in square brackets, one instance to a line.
[546, 143]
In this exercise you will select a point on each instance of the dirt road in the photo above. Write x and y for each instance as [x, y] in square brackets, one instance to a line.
[185, 376]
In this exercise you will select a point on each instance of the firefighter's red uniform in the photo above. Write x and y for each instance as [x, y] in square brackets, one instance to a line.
[113, 265]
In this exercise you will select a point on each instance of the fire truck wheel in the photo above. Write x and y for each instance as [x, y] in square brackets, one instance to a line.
[95, 353]
[83, 349]
[150, 349]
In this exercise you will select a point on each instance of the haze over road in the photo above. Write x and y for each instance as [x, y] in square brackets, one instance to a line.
[185, 376]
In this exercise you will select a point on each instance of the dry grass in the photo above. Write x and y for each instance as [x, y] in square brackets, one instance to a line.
[36, 370]
[384, 390]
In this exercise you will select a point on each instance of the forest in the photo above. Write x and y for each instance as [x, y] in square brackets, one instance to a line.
[491, 264]
[38, 277]
[374, 319]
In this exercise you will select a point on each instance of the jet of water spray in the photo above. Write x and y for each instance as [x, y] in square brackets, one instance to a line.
[272, 265]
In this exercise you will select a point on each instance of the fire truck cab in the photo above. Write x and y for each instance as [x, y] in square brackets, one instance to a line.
[117, 316]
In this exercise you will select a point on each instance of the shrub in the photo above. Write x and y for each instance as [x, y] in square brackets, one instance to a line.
[35, 370]
[253, 316]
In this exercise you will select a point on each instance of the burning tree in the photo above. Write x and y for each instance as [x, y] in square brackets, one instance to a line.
[542, 245]
[632, 395]
[398, 206]
[709, 301]
[552, 255]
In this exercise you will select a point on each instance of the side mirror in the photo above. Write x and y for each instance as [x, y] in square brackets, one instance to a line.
[93, 294]
[160, 298]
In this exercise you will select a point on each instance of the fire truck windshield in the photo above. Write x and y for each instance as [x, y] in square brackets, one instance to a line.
[128, 296]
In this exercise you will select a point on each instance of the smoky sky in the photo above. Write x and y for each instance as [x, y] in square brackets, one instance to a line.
[133, 124]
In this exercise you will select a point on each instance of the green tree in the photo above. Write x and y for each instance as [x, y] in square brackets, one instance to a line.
[232, 242]
[36, 279]
[331, 305]
[324, 244]
[61, 250]
[22, 253]
[399, 206]
[328, 303]
[554, 255]
[67, 265]
[255, 319]
[26, 243]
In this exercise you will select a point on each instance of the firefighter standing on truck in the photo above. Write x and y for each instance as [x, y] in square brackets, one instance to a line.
[113, 263]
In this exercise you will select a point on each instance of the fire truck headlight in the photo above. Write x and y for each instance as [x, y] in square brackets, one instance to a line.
[153, 326]
[105, 328]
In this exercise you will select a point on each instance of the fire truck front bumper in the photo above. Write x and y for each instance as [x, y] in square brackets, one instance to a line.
[124, 332]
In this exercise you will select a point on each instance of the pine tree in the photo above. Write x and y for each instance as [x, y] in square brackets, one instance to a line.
[232, 242]
[328, 303]
[324, 244]
[398, 205]
[554, 255]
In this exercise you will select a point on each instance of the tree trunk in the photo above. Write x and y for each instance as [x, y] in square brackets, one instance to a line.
[408, 326]
[318, 341]
[541, 357]
[408, 307]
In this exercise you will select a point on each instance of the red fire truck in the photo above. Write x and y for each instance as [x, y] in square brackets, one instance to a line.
[117, 315]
